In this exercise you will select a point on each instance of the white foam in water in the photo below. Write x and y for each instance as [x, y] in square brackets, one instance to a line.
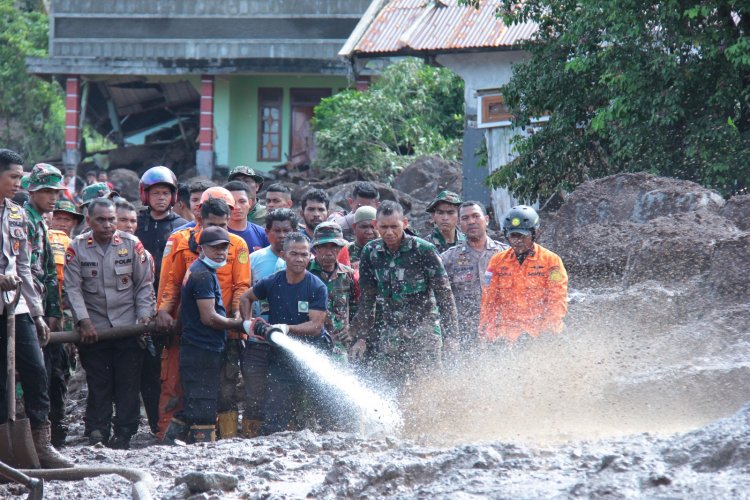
[379, 414]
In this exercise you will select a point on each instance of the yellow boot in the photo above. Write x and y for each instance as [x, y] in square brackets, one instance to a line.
[228, 424]
[203, 433]
[251, 428]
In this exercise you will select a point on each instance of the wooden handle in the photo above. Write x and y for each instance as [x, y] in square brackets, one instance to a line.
[117, 332]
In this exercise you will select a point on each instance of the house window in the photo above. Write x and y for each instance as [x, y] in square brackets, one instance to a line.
[269, 126]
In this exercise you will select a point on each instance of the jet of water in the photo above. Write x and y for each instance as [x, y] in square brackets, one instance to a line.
[378, 413]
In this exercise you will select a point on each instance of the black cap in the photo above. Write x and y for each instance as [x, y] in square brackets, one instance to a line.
[214, 235]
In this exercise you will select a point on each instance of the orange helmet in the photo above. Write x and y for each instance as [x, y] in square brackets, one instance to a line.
[220, 193]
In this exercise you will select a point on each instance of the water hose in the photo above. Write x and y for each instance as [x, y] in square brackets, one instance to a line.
[142, 481]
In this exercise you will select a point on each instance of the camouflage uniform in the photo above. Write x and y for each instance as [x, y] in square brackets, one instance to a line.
[343, 292]
[413, 289]
[355, 253]
[42, 263]
[466, 267]
[44, 271]
[437, 239]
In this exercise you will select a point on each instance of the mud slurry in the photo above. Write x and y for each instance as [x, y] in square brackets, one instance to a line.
[713, 462]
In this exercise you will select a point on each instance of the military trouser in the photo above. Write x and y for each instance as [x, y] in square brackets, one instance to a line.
[151, 384]
[199, 373]
[255, 374]
[113, 376]
[57, 364]
[30, 367]
[229, 392]
[398, 360]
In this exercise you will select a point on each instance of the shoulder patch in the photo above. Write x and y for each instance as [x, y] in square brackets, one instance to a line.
[242, 257]
[168, 247]
[69, 254]
[555, 275]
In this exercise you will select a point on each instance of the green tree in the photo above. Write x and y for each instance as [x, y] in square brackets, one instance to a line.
[31, 110]
[412, 109]
[631, 85]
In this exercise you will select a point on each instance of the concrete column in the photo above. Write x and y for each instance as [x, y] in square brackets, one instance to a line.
[204, 157]
[72, 155]
[363, 82]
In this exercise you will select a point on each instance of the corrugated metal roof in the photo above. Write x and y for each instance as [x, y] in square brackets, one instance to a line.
[407, 26]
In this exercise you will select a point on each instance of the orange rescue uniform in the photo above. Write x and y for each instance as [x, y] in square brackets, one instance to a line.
[523, 298]
[234, 280]
[59, 242]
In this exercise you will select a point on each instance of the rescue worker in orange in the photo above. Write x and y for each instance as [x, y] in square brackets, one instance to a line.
[234, 278]
[526, 286]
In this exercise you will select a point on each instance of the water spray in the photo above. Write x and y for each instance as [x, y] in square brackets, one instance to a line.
[378, 413]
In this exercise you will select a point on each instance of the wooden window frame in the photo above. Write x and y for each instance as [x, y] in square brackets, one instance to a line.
[263, 103]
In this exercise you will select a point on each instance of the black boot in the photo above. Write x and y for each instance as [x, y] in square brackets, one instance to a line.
[177, 431]
[119, 442]
[59, 434]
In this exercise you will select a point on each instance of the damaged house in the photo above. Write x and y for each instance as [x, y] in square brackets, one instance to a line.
[224, 82]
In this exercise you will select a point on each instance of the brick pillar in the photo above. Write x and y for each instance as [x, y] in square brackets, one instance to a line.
[204, 158]
[362, 83]
[72, 156]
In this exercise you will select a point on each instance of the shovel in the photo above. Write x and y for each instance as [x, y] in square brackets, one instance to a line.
[16, 444]
[36, 486]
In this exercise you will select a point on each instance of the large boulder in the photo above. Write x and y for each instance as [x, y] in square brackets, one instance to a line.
[126, 183]
[737, 209]
[629, 228]
[429, 175]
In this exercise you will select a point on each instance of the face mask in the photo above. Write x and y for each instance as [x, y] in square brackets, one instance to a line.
[212, 263]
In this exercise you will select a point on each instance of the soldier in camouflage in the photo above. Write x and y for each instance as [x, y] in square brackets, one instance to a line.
[365, 230]
[45, 183]
[444, 210]
[404, 274]
[343, 290]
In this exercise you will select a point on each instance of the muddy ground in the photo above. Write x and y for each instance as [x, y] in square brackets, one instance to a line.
[644, 395]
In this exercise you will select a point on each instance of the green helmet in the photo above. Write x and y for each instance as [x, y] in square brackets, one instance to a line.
[44, 176]
[521, 219]
[97, 190]
[68, 206]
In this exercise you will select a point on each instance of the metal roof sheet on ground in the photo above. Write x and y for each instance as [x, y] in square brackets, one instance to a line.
[437, 25]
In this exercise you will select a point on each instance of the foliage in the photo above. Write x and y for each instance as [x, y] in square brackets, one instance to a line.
[631, 85]
[31, 111]
[412, 109]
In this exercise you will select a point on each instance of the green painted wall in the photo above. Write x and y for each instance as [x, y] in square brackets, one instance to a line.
[236, 114]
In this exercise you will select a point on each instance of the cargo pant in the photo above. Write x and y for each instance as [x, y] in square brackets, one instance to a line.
[229, 393]
[30, 367]
[57, 364]
[170, 398]
[113, 376]
[200, 374]
[254, 364]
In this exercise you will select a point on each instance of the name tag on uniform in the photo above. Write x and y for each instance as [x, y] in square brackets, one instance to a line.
[303, 306]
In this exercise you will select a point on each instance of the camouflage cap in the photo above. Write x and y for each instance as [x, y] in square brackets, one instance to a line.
[25, 181]
[97, 190]
[68, 206]
[45, 176]
[444, 197]
[328, 232]
[243, 170]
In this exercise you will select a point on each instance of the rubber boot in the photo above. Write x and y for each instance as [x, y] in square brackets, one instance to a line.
[228, 421]
[177, 431]
[203, 433]
[49, 458]
[251, 428]
[119, 442]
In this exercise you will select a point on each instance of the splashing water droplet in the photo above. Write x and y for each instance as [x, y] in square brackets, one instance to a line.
[379, 414]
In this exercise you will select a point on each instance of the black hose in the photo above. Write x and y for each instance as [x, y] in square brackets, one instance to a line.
[142, 481]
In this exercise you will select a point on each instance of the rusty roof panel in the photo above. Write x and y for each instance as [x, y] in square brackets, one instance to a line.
[435, 25]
